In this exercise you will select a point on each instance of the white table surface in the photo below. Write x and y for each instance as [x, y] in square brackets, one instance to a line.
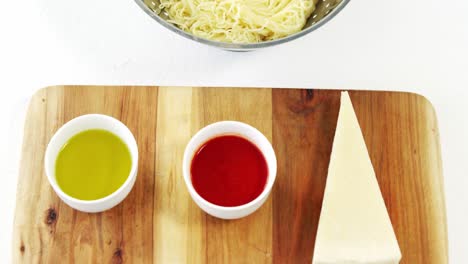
[418, 46]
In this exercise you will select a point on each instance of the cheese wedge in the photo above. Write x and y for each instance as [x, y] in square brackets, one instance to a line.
[354, 225]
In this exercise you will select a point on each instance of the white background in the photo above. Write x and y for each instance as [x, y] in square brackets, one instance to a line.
[419, 46]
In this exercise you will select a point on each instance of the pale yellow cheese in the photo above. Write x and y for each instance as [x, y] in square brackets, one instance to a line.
[354, 224]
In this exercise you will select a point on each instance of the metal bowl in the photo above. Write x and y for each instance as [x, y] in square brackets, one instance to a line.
[324, 11]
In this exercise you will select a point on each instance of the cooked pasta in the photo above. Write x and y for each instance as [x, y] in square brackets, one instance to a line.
[239, 21]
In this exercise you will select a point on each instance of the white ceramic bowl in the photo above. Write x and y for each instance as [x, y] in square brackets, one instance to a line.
[71, 128]
[229, 128]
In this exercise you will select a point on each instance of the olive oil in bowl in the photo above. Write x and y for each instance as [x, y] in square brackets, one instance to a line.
[92, 164]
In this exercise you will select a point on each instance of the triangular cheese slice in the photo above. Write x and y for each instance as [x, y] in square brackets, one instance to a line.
[354, 225]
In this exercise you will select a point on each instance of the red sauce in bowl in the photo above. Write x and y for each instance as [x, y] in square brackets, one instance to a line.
[229, 171]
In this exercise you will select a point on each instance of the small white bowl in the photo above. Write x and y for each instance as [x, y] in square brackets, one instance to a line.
[229, 128]
[71, 128]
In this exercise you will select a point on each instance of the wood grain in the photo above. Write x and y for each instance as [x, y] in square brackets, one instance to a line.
[404, 149]
[246, 240]
[179, 226]
[48, 231]
[159, 223]
[303, 131]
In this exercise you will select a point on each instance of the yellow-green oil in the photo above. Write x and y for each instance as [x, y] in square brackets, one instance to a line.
[92, 164]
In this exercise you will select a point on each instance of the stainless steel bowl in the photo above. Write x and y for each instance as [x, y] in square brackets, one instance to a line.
[324, 12]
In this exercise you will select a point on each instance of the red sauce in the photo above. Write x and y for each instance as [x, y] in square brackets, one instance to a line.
[229, 171]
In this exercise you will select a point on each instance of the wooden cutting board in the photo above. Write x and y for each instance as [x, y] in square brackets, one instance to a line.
[159, 223]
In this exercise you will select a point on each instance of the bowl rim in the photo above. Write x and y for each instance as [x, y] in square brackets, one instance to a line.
[272, 167]
[242, 46]
[74, 122]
